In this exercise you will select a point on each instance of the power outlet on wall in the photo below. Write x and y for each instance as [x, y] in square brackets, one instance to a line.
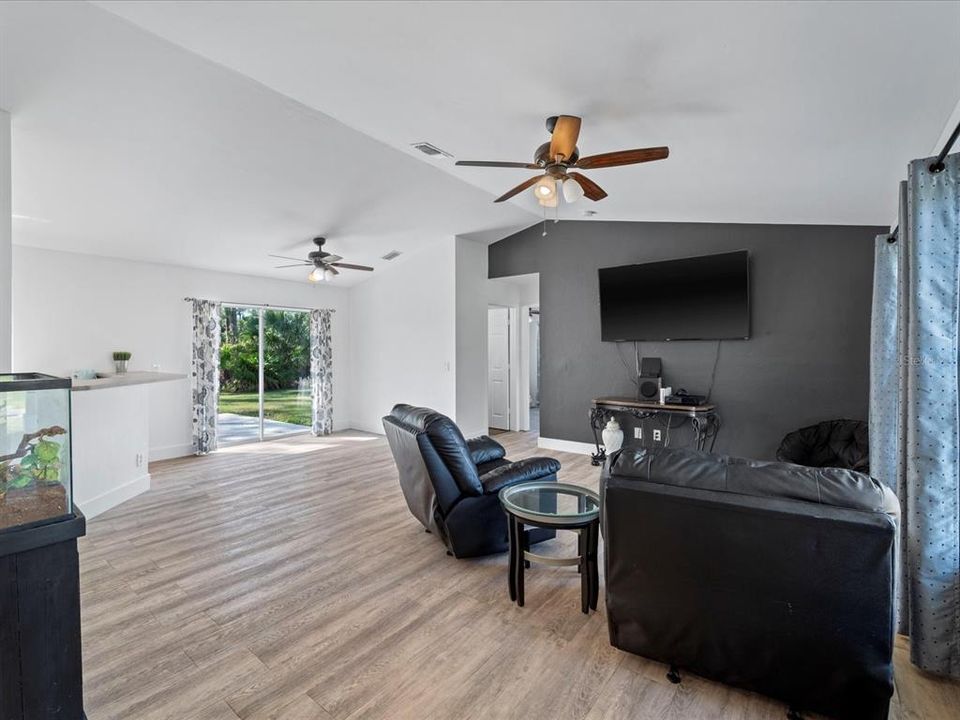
[657, 435]
[139, 460]
[638, 433]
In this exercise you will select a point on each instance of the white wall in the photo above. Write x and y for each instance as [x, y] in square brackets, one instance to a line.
[471, 331]
[403, 337]
[6, 311]
[71, 311]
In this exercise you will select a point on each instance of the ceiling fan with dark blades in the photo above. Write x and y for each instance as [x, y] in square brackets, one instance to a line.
[560, 158]
[324, 264]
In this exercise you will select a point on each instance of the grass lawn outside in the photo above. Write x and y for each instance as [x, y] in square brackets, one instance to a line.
[290, 406]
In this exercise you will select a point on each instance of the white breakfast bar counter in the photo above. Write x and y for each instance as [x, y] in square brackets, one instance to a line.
[111, 437]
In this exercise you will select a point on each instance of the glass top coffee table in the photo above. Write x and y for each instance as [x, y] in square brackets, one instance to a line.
[558, 506]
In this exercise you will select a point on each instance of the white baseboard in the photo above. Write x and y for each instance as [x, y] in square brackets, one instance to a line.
[110, 499]
[570, 446]
[168, 452]
[364, 427]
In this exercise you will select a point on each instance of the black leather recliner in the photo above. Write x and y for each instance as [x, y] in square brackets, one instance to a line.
[769, 576]
[451, 484]
[832, 443]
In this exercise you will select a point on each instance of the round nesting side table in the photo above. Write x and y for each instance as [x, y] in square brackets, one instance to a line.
[558, 506]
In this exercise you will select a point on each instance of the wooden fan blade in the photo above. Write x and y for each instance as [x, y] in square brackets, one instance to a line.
[519, 188]
[289, 266]
[286, 257]
[485, 163]
[622, 157]
[351, 266]
[590, 188]
[332, 269]
[564, 139]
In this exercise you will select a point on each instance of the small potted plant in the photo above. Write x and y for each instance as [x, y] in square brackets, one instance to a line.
[121, 359]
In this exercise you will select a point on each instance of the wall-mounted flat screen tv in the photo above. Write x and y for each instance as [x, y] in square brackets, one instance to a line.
[698, 298]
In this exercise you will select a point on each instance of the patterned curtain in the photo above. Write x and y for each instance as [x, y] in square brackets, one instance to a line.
[914, 412]
[321, 371]
[205, 374]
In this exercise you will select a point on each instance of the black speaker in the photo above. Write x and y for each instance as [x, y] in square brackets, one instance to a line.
[649, 381]
[651, 367]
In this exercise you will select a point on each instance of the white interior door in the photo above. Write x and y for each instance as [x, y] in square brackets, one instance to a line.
[498, 367]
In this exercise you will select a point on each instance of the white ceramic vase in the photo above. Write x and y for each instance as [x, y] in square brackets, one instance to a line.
[612, 436]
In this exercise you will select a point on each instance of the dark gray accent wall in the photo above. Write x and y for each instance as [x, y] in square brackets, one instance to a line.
[807, 359]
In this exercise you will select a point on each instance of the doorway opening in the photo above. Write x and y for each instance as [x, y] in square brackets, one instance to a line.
[513, 345]
[533, 394]
[264, 374]
[498, 369]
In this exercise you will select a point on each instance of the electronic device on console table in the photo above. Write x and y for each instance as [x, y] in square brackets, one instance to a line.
[654, 424]
[682, 397]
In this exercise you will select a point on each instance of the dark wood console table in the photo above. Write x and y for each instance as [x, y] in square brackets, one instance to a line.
[703, 419]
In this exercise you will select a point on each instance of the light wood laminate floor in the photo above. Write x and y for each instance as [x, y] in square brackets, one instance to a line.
[288, 581]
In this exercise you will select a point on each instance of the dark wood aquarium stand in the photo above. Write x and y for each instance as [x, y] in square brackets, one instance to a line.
[40, 656]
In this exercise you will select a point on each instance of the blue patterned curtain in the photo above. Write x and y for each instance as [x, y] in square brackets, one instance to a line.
[205, 374]
[321, 371]
[914, 412]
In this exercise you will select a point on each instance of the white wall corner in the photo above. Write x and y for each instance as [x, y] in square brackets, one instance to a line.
[948, 130]
[6, 246]
[471, 336]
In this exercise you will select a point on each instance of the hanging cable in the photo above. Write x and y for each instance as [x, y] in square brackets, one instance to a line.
[937, 165]
[634, 379]
[713, 373]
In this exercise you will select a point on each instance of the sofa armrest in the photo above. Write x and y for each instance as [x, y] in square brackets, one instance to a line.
[521, 471]
[484, 449]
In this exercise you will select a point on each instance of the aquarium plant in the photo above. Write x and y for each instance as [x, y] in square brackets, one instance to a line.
[35, 462]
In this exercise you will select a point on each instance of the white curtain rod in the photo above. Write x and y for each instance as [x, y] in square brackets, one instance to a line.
[262, 305]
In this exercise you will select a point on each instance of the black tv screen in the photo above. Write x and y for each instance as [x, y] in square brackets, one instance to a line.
[698, 298]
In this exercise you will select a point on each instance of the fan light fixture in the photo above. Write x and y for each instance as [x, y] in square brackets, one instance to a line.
[560, 156]
[546, 188]
[323, 265]
[551, 202]
[572, 190]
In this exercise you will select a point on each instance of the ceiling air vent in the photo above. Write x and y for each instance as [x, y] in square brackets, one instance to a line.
[391, 255]
[431, 150]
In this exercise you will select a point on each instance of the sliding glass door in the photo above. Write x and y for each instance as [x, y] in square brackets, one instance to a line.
[264, 373]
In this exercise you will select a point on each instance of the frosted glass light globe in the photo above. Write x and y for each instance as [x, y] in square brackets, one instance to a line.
[546, 188]
[572, 190]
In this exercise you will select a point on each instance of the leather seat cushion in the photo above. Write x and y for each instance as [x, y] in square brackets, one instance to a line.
[447, 441]
[682, 467]
[520, 471]
[484, 449]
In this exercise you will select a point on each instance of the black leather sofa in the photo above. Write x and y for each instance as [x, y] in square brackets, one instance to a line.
[768, 576]
[451, 484]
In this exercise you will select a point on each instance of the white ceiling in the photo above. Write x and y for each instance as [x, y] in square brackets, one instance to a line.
[129, 146]
[125, 145]
[803, 112]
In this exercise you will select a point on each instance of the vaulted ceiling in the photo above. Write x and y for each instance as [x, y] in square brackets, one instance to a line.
[211, 133]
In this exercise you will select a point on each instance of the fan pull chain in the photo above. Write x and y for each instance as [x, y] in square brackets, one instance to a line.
[544, 221]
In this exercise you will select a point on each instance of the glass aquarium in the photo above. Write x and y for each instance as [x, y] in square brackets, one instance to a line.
[36, 485]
